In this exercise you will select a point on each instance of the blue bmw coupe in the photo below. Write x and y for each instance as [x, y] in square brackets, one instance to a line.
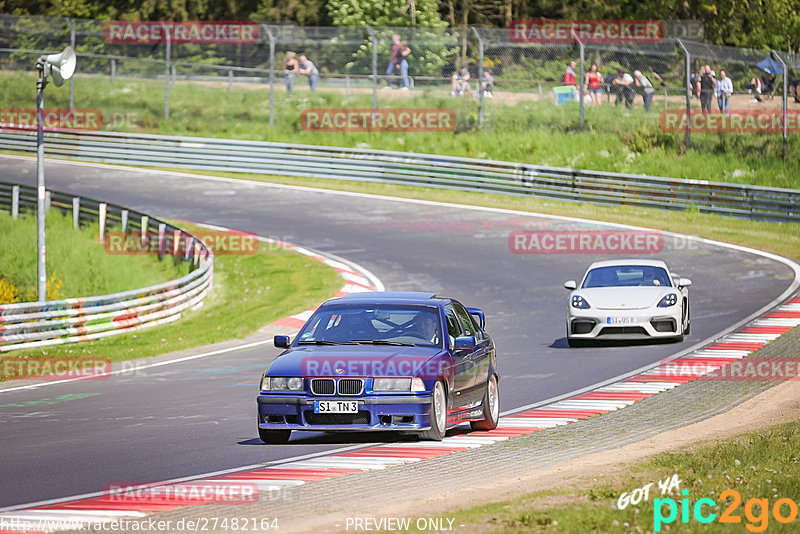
[405, 361]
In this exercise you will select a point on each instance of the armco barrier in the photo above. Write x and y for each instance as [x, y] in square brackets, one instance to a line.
[466, 174]
[36, 324]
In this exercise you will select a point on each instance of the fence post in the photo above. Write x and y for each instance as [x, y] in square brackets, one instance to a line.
[76, 212]
[145, 221]
[113, 69]
[103, 211]
[124, 220]
[167, 55]
[666, 97]
[72, 79]
[480, 75]
[162, 230]
[688, 140]
[374, 68]
[271, 75]
[15, 201]
[540, 91]
[580, 79]
[785, 104]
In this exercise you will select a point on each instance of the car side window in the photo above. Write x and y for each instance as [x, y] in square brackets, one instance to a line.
[469, 328]
[453, 326]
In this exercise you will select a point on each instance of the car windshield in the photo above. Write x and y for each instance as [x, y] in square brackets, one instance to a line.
[379, 324]
[626, 276]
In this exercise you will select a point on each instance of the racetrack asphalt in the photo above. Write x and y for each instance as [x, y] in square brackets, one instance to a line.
[199, 416]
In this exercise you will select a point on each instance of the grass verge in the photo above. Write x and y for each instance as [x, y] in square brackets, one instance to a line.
[523, 131]
[249, 292]
[77, 264]
[762, 465]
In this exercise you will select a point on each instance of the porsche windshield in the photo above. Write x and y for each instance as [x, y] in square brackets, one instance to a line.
[382, 324]
[626, 276]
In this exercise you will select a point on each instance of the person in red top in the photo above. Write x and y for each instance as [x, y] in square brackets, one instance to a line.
[594, 84]
[569, 74]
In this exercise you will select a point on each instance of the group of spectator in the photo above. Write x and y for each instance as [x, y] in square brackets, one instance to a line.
[303, 66]
[706, 86]
[622, 85]
[460, 84]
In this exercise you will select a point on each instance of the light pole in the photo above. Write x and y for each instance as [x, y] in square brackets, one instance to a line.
[61, 67]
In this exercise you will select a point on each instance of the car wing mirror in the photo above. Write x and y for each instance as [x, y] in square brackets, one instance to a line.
[281, 342]
[684, 282]
[477, 312]
[465, 343]
[571, 285]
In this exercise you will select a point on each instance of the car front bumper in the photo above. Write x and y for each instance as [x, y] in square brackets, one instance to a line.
[390, 412]
[627, 324]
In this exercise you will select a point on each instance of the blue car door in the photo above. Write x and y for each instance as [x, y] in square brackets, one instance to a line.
[480, 357]
[463, 372]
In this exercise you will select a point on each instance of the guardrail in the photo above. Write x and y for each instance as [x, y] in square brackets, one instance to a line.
[466, 174]
[36, 324]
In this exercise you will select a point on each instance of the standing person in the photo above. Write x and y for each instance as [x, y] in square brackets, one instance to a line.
[308, 68]
[460, 82]
[705, 87]
[569, 74]
[645, 87]
[487, 83]
[594, 84]
[622, 86]
[723, 91]
[290, 69]
[398, 62]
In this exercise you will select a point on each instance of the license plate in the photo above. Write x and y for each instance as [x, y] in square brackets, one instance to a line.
[620, 320]
[335, 406]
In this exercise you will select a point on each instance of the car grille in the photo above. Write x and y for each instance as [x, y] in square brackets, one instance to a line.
[582, 327]
[616, 330]
[360, 418]
[350, 386]
[323, 386]
[664, 325]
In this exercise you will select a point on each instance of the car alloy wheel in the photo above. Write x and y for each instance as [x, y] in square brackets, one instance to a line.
[491, 407]
[438, 414]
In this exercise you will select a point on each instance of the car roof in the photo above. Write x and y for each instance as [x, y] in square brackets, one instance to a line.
[629, 261]
[396, 297]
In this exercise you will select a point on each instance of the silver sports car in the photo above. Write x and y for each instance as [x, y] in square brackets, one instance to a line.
[628, 299]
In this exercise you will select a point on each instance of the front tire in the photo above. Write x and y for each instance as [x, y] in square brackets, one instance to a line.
[491, 407]
[438, 414]
[274, 437]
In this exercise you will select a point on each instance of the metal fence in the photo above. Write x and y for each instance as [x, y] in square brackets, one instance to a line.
[55, 322]
[465, 174]
[354, 62]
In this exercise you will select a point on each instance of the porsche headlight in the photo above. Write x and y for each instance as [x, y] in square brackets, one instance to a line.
[668, 300]
[579, 302]
[281, 383]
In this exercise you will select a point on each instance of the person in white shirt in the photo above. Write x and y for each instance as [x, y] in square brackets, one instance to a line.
[623, 88]
[645, 87]
[723, 91]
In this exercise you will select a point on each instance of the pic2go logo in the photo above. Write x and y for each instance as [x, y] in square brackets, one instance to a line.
[756, 511]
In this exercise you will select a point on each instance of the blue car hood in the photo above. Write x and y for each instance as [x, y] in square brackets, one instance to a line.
[353, 360]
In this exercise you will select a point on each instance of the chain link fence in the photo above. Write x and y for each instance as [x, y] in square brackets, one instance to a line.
[354, 67]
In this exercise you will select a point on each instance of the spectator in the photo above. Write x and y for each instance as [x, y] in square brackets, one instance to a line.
[644, 86]
[759, 86]
[622, 85]
[608, 85]
[723, 91]
[290, 69]
[569, 74]
[705, 87]
[794, 90]
[398, 64]
[460, 82]
[308, 68]
[594, 84]
[487, 83]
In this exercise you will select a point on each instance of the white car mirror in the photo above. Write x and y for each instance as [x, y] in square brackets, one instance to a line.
[571, 285]
[684, 282]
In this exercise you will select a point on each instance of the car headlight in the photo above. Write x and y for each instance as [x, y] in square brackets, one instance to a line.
[391, 384]
[417, 385]
[281, 383]
[579, 302]
[668, 300]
